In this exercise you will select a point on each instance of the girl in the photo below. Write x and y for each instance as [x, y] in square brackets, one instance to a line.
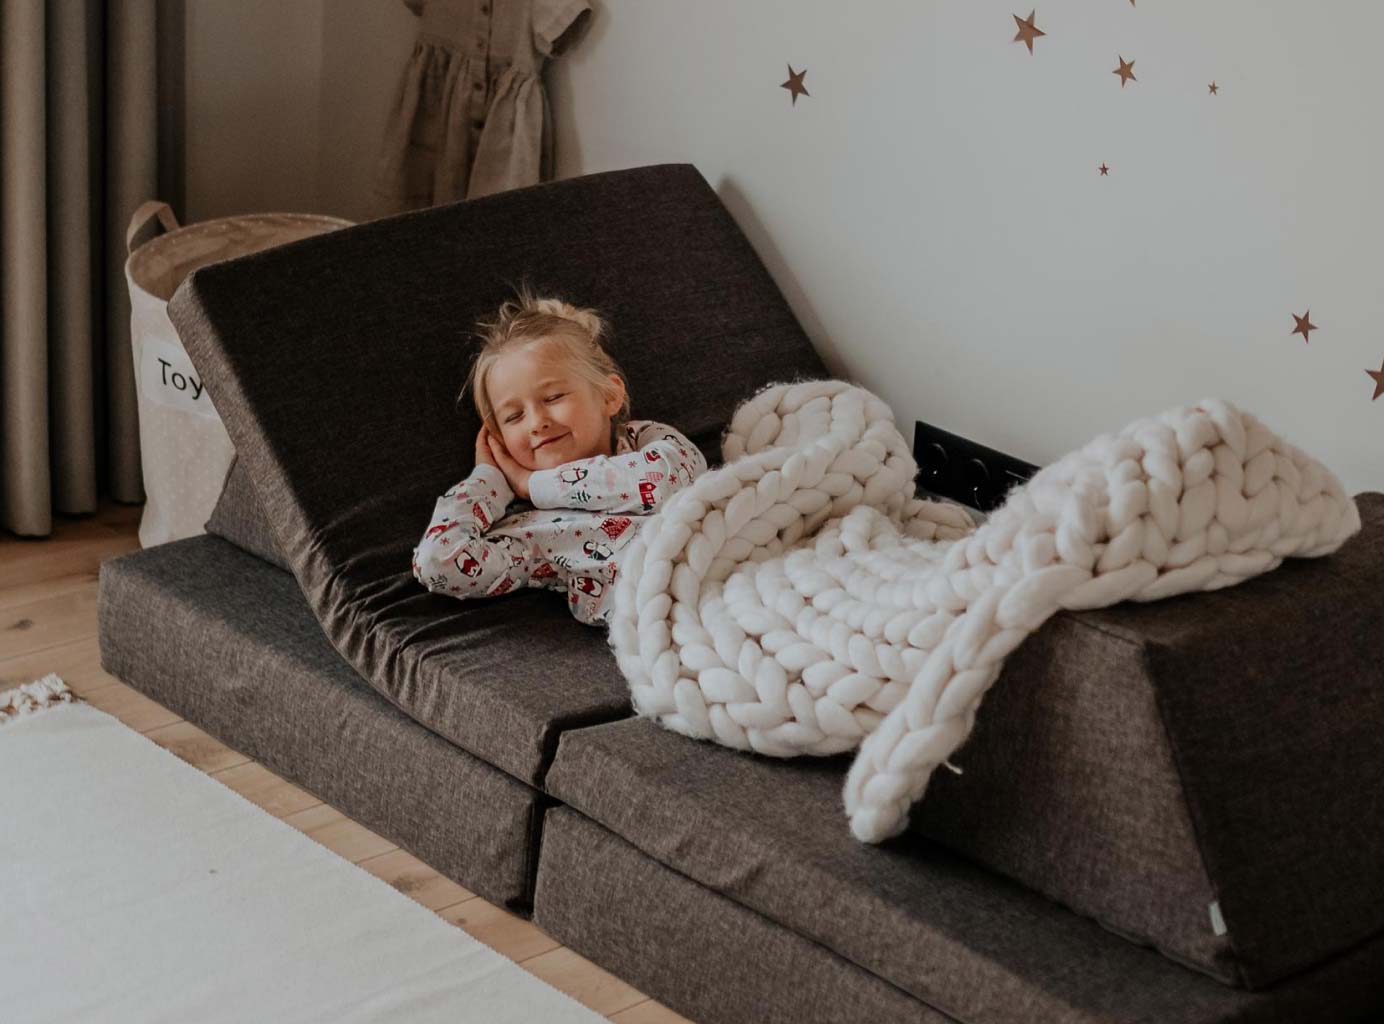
[555, 435]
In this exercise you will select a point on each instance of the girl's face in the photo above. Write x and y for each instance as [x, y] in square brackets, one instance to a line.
[545, 414]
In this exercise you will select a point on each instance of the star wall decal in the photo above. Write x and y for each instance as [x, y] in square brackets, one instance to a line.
[1304, 325]
[1125, 71]
[1213, 88]
[1104, 171]
[1027, 30]
[795, 83]
[1378, 376]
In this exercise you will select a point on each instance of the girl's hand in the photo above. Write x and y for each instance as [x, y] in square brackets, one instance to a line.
[483, 456]
[516, 474]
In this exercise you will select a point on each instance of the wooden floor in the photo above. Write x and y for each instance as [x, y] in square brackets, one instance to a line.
[48, 624]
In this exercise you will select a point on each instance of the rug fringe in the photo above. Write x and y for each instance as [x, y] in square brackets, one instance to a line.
[31, 698]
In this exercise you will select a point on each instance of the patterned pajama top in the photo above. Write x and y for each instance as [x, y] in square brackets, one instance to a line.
[570, 533]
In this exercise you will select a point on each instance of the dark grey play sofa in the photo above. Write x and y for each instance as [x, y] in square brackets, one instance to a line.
[1170, 812]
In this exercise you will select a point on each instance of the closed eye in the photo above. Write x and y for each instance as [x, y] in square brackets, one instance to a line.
[512, 417]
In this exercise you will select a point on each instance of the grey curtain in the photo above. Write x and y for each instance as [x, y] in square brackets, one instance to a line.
[91, 110]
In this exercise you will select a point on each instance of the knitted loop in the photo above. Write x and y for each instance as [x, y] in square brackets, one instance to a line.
[800, 599]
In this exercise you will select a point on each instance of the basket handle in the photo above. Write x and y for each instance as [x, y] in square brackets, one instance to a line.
[143, 215]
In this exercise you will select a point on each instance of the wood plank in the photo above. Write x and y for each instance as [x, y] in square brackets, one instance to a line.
[133, 708]
[191, 744]
[650, 1011]
[67, 530]
[416, 880]
[47, 622]
[264, 789]
[338, 833]
[119, 516]
[26, 593]
[78, 663]
[500, 930]
[27, 562]
[585, 982]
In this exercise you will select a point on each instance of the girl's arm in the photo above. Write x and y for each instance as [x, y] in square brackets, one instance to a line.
[455, 557]
[640, 481]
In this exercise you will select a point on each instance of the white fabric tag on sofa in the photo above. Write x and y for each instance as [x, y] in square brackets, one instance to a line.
[1217, 921]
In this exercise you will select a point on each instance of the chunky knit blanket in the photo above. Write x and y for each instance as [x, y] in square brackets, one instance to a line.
[799, 599]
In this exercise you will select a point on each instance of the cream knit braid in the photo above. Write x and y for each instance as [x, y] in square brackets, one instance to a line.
[800, 600]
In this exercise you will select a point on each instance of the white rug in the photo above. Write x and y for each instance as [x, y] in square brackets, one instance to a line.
[135, 888]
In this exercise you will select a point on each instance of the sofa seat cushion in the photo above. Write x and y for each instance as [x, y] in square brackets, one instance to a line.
[768, 834]
[335, 363]
[694, 950]
[228, 643]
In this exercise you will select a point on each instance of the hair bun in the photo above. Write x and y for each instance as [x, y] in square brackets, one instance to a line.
[585, 318]
[577, 332]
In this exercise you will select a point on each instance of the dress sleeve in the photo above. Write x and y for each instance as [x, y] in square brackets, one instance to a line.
[558, 24]
[455, 557]
[639, 481]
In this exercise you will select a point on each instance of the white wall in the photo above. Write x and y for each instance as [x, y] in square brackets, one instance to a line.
[932, 211]
[254, 71]
[365, 45]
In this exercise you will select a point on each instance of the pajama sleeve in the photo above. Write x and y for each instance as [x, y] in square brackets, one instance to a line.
[639, 481]
[455, 557]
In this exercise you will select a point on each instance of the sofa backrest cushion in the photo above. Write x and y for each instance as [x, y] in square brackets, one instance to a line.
[1199, 773]
[336, 364]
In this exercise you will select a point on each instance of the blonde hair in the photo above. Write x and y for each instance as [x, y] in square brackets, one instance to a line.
[569, 335]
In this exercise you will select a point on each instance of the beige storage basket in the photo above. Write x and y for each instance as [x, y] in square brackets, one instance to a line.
[184, 449]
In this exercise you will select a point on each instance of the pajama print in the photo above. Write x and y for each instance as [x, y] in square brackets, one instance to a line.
[570, 533]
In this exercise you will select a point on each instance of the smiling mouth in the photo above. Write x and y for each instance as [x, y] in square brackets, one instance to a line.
[550, 440]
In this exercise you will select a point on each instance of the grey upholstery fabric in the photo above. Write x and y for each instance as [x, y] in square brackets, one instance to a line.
[706, 956]
[1269, 696]
[1272, 694]
[1069, 787]
[227, 642]
[765, 834]
[239, 519]
[335, 364]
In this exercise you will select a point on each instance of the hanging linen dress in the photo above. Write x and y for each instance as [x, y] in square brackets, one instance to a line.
[471, 115]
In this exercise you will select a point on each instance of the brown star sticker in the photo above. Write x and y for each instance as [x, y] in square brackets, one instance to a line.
[1027, 30]
[1304, 325]
[1104, 171]
[1214, 88]
[795, 83]
[1125, 71]
[1378, 376]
